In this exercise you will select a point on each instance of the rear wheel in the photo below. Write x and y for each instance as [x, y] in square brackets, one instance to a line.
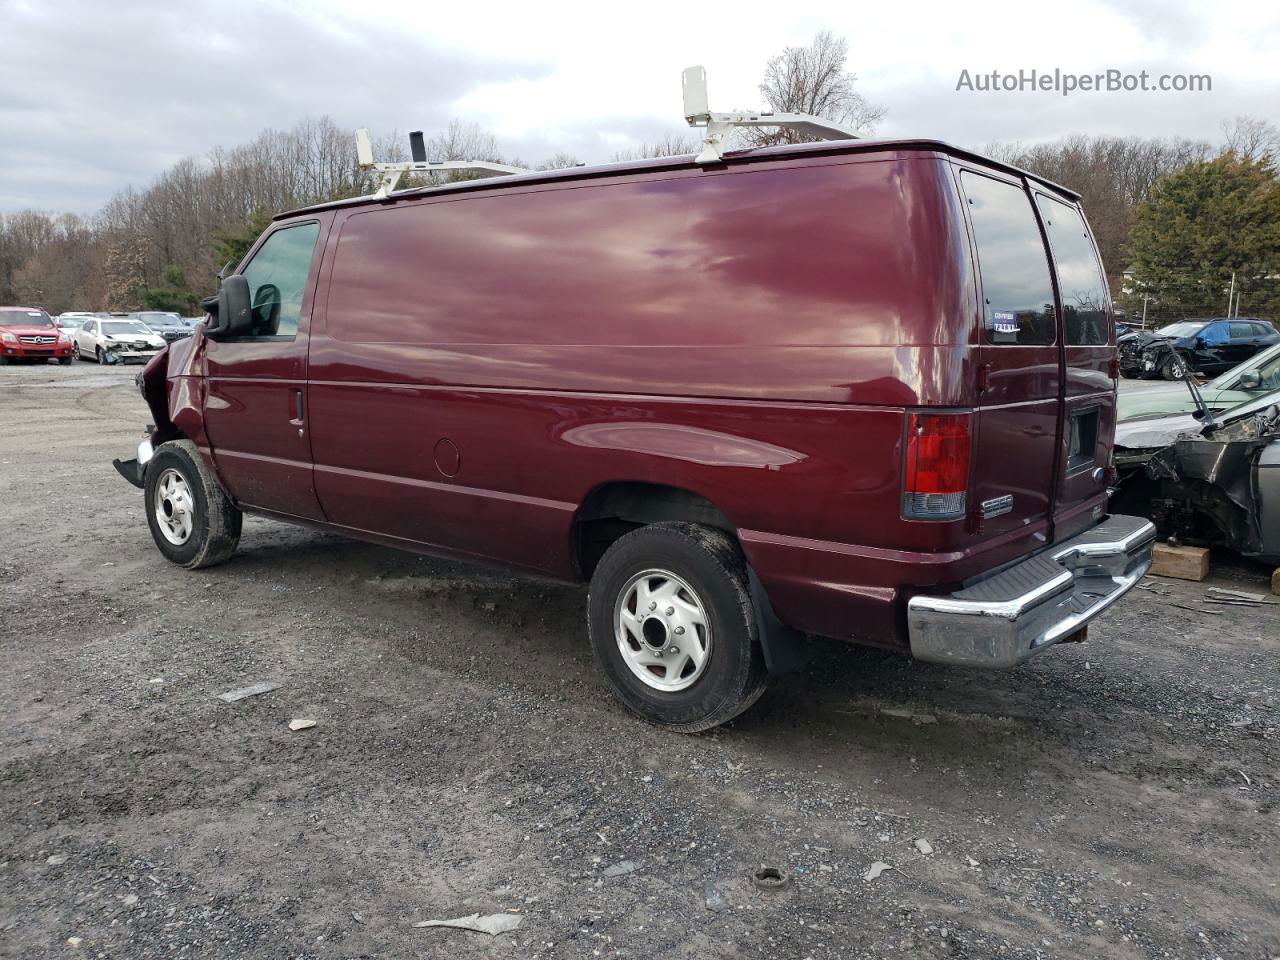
[673, 626]
[192, 522]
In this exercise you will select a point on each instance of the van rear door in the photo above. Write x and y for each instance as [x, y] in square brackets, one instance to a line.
[1016, 436]
[1088, 350]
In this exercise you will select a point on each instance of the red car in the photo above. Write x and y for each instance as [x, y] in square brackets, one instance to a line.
[858, 389]
[28, 334]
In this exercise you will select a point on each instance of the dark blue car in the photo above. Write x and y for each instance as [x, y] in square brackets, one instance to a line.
[1205, 346]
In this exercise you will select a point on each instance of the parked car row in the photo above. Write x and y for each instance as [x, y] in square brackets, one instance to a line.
[30, 335]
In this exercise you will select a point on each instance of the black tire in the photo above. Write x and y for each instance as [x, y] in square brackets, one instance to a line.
[711, 562]
[215, 527]
[97, 354]
[1171, 368]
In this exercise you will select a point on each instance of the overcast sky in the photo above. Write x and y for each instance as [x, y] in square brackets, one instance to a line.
[96, 96]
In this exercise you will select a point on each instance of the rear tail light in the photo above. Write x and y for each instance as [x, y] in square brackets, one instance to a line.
[936, 478]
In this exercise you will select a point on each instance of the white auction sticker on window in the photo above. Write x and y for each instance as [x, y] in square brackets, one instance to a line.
[1004, 322]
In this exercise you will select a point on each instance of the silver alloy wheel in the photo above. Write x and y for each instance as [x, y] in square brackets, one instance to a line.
[175, 507]
[663, 631]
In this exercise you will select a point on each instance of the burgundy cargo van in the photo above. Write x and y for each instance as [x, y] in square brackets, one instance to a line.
[858, 389]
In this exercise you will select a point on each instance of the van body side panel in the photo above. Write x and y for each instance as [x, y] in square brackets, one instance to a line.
[480, 363]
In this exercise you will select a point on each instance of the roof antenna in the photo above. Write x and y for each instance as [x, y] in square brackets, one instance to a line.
[391, 172]
[697, 113]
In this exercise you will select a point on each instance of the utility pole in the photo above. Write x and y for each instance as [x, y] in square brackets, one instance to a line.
[1231, 292]
[1145, 298]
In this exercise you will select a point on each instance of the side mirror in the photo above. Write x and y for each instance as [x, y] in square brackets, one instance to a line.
[1251, 380]
[230, 311]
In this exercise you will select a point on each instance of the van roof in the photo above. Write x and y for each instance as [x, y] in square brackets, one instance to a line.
[685, 161]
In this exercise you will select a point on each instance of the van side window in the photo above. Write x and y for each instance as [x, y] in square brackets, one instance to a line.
[277, 277]
[1017, 293]
[1081, 285]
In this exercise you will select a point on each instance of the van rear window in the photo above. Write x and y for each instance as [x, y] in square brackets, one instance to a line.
[1080, 282]
[1016, 289]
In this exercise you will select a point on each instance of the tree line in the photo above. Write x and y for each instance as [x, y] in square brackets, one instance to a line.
[1178, 222]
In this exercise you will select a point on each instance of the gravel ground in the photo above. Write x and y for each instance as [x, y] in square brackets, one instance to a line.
[1113, 799]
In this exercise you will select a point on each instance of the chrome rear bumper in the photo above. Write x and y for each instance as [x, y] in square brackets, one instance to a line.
[1005, 618]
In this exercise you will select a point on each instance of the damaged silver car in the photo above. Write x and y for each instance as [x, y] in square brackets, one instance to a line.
[1206, 479]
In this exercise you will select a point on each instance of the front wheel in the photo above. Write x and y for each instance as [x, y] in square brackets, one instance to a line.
[192, 522]
[1173, 368]
[673, 626]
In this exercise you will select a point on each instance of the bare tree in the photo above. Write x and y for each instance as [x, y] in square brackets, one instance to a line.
[559, 161]
[670, 145]
[813, 80]
[1112, 175]
[458, 141]
[1252, 139]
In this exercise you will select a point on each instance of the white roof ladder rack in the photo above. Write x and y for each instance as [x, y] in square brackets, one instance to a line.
[391, 172]
[697, 112]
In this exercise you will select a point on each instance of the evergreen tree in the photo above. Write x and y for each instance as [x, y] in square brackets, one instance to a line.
[1202, 224]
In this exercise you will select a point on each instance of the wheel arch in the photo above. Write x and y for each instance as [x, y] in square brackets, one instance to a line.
[613, 509]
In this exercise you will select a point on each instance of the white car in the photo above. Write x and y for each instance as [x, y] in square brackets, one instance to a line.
[113, 341]
[69, 323]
